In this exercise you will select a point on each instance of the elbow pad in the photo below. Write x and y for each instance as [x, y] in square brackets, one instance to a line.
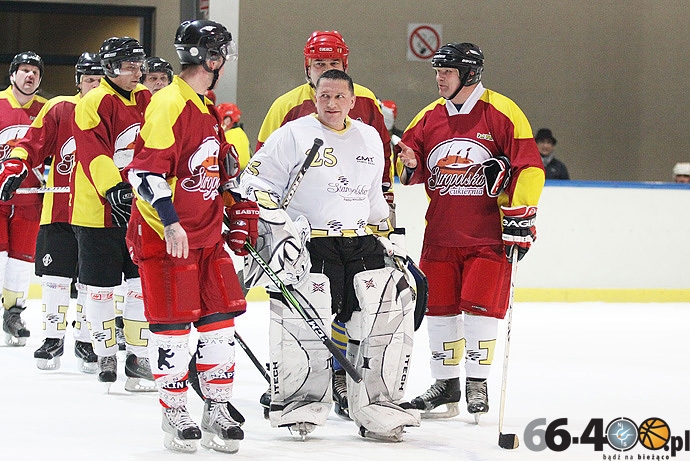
[151, 187]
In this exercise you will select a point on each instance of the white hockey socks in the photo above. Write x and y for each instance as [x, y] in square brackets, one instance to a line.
[81, 325]
[480, 342]
[169, 359]
[300, 363]
[3, 266]
[136, 326]
[215, 363]
[56, 291]
[380, 347]
[100, 312]
[447, 346]
[15, 289]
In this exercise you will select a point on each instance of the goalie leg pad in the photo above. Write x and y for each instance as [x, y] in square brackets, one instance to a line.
[300, 366]
[380, 347]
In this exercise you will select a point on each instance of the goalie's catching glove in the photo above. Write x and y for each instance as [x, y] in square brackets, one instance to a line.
[244, 219]
[12, 173]
[519, 229]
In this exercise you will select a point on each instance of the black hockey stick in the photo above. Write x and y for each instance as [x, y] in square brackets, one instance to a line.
[508, 441]
[300, 174]
[252, 357]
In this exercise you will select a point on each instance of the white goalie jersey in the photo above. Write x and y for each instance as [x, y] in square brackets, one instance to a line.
[341, 192]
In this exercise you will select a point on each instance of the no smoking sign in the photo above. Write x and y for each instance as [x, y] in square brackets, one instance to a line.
[422, 41]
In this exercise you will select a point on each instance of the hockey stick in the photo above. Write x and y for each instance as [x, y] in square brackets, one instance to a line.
[42, 190]
[252, 357]
[300, 174]
[507, 441]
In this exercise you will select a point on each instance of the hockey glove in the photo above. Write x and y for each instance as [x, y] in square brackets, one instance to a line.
[497, 174]
[244, 219]
[519, 229]
[12, 173]
[120, 199]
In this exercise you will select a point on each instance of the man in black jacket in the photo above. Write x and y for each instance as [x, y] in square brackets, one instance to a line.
[555, 169]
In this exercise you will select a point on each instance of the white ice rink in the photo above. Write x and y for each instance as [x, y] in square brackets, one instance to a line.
[575, 361]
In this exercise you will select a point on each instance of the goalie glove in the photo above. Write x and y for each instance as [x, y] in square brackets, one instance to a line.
[497, 174]
[244, 219]
[120, 198]
[12, 172]
[519, 229]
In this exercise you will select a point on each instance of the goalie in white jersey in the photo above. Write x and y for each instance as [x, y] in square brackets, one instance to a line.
[339, 196]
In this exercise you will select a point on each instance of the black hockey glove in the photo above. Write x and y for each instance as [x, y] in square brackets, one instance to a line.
[120, 199]
[497, 174]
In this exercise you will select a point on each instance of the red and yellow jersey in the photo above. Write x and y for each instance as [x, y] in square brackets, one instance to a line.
[50, 136]
[238, 138]
[181, 139]
[15, 121]
[450, 146]
[107, 126]
[301, 101]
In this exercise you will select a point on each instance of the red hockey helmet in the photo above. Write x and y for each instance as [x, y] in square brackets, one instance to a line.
[391, 105]
[326, 45]
[228, 109]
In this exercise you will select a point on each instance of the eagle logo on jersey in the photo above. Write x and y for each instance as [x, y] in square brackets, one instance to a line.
[66, 162]
[456, 167]
[203, 166]
[124, 146]
[9, 138]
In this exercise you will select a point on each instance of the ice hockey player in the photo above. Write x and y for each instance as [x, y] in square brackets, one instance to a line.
[473, 150]
[107, 124]
[19, 215]
[339, 195]
[50, 136]
[179, 164]
[326, 50]
[159, 74]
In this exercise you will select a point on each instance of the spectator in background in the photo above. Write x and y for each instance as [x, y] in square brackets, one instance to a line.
[555, 169]
[234, 131]
[681, 172]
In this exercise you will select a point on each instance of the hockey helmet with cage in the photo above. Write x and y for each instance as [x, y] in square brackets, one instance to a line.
[466, 57]
[228, 109]
[116, 50]
[157, 64]
[26, 57]
[200, 40]
[87, 64]
[326, 45]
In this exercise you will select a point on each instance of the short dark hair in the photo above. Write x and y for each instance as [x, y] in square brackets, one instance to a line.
[336, 74]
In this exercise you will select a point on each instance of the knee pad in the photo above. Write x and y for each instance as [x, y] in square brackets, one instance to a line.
[300, 366]
[380, 347]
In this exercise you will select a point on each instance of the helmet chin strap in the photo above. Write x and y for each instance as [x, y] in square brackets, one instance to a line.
[463, 80]
[19, 89]
[215, 72]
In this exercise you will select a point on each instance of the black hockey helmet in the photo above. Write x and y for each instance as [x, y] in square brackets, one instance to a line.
[200, 40]
[87, 64]
[116, 50]
[26, 57]
[466, 57]
[156, 64]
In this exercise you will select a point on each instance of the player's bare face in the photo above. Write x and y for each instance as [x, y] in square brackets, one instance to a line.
[27, 78]
[154, 81]
[88, 83]
[129, 74]
[334, 99]
[447, 80]
[319, 66]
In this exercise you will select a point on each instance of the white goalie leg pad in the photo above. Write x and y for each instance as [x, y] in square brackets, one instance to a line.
[169, 358]
[480, 337]
[282, 244]
[136, 326]
[215, 363]
[100, 311]
[380, 347]
[55, 305]
[81, 326]
[447, 345]
[300, 363]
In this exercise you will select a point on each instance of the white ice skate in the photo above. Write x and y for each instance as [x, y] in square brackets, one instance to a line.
[181, 432]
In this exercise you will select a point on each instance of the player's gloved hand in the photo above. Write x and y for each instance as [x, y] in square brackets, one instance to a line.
[120, 198]
[244, 220]
[497, 174]
[389, 196]
[519, 229]
[12, 173]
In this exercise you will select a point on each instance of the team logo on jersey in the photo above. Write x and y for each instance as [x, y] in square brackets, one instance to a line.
[9, 137]
[348, 193]
[124, 146]
[65, 163]
[203, 166]
[456, 167]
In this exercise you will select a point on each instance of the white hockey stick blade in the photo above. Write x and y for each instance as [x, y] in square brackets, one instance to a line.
[42, 190]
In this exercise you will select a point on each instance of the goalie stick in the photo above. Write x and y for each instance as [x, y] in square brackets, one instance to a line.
[507, 441]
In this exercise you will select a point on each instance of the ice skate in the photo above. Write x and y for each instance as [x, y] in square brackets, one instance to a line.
[477, 398]
[107, 370]
[442, 392]
[14, 327]
[395, 435]
[220, 431]
[138, 372]
[180, 430]
[48, 355]
[265, 401]
[340, 394]
[303, 429]
[86, 357]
